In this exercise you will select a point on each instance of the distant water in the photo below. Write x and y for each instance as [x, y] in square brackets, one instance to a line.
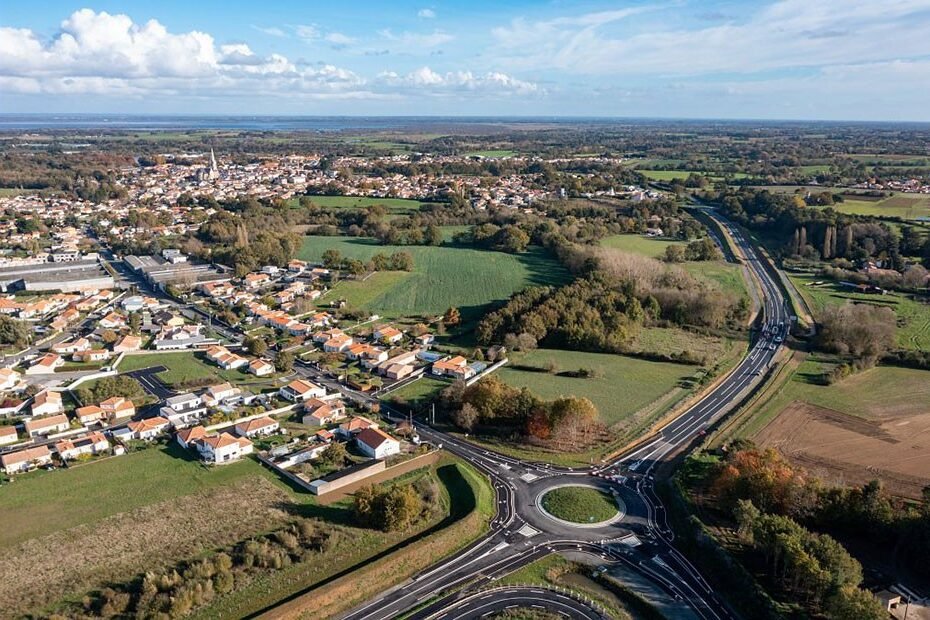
[25, 122]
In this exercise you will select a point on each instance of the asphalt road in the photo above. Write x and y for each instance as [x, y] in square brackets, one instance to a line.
[643, 540]
[484, 603]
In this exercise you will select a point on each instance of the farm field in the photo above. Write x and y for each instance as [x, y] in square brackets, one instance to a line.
[624, 386]
[727, 275]
[491, 153]
[443, 276]
[873, 424]
[671, 340]
[178, 505]
[904, 206]
[681, 175]
[393, 205]
[913, 331]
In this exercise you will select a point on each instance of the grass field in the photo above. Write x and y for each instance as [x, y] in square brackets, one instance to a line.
[672, 175]
[671, 340]
[580, 504]
[904, 206]
[442, 276]
[913, 331]
[625, 384]
[393, 205]
[727, 275]
[492, 153]
[188, 366]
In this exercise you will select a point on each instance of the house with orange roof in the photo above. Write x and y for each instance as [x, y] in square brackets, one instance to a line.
[91, 355]
[354, 426]
[257, 427]
[47, 426]
[25, 460]
[9, 379]
[47, 402]
[300, 390]
[89, 414]
[46, 364]
[318, 412]
[187, 437]
[73, 447]
[118, 407]
[222, 448]
[388, 334]
[261, 368]
[128, 344]
[338, 343]
[456, 367]
[148, 429]
[67, 347]
[8, 435]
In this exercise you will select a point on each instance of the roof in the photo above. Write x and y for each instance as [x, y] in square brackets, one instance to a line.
[255, 424]
[25, 455]
[357, 423]
[148, 424]
[301, 387]
[88, 411]
[53, 420]
[374, 437]
[190, 434]
[47, 396]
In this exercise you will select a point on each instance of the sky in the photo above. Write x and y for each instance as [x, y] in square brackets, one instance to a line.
[781, 59]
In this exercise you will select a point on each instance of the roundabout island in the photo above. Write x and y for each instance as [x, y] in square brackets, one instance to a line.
[580, 505]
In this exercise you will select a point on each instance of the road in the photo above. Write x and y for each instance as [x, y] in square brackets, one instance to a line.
[483, 603]
[520, 533]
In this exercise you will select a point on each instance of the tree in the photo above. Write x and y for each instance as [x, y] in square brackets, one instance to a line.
[466, 418]
[433, 235]
[135, 322]
[402, 261]
[674, 253]
[16, 333]
[109, 337]
[452, 317]
[255, 346]
[335, 455]
[332, 258]
[284, 361]
[859, 330]
[853, 602]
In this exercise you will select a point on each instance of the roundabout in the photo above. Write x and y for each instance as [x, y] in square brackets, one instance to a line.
[577, 504]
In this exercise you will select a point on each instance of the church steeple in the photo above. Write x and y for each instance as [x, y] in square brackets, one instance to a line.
[214, 169]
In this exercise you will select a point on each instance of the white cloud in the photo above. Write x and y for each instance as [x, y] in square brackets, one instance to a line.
[412, 41]
[426, 14]
[786, 34]
[459, 81]
[273, 31]
[111, 56]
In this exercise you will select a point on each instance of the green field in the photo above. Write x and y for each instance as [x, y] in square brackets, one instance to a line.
[492, 153]
[913, 331]
[625, 384]
[580, 504]
[393, 205]
[671, 340]
[187, 366]
[727, 275]
[904, 206]
[681, 175]
[33, 506]
[442, 276]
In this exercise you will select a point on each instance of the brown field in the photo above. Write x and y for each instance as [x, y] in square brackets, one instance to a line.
[41, 571]
[847, 450]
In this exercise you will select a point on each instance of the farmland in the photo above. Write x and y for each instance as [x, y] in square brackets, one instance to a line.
[904, 206]
[913, 330]
[873, 424]
[624, 384]
[492, 153]
[681, 175]
[393, 205]
[442, 276]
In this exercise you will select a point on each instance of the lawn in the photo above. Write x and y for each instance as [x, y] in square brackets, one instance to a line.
[904, 206]
[728, 275]
[187, 366]
[621, 386]
[43, 502]
[393, 205]
[419, 392]
[442, 276]
[913, 331]
[580, 504]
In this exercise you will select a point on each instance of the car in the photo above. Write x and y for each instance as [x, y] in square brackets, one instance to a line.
[773, 346]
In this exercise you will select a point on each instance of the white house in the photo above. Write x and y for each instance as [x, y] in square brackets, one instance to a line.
[47, 402]
[8, 435]
[24, 460]
[223, 448]
[187, 437]
[319, 412]
[376, 443]
[118, 407]
[300, 390]
[92, 443]
[9, 379]
[261, 368]
[47, 426]
[183, 410]
[257, 427]
[220, 394]
[46, 364]
[149, 428]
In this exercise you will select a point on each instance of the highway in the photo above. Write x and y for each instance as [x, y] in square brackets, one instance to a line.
[520, 533]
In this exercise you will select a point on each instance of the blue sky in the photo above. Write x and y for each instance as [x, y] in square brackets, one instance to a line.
[782, 59]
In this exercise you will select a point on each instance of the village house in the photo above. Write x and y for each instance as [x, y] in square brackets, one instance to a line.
[46, 364]
[91, 355]
[222, 448]
[300, 390]
[90, 414]
[187, 437]
[47, 426]
[257, 427]
[91, 443]
[222, 357]
[318, 412]
[337, 343]
[456, 367]
[261, 368]
[388, 334]
[8, 435]
[25, 460]
[149, 428]
[377, 444]
[128, 344]
[221, 394]
[9, 379]
[47, 402]
[357, 424]
[69, 347]
[183, 410]
[112, 321]
[255, 280]
[118, 407]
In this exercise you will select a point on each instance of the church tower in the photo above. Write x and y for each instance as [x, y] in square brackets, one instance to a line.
[214, 169]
